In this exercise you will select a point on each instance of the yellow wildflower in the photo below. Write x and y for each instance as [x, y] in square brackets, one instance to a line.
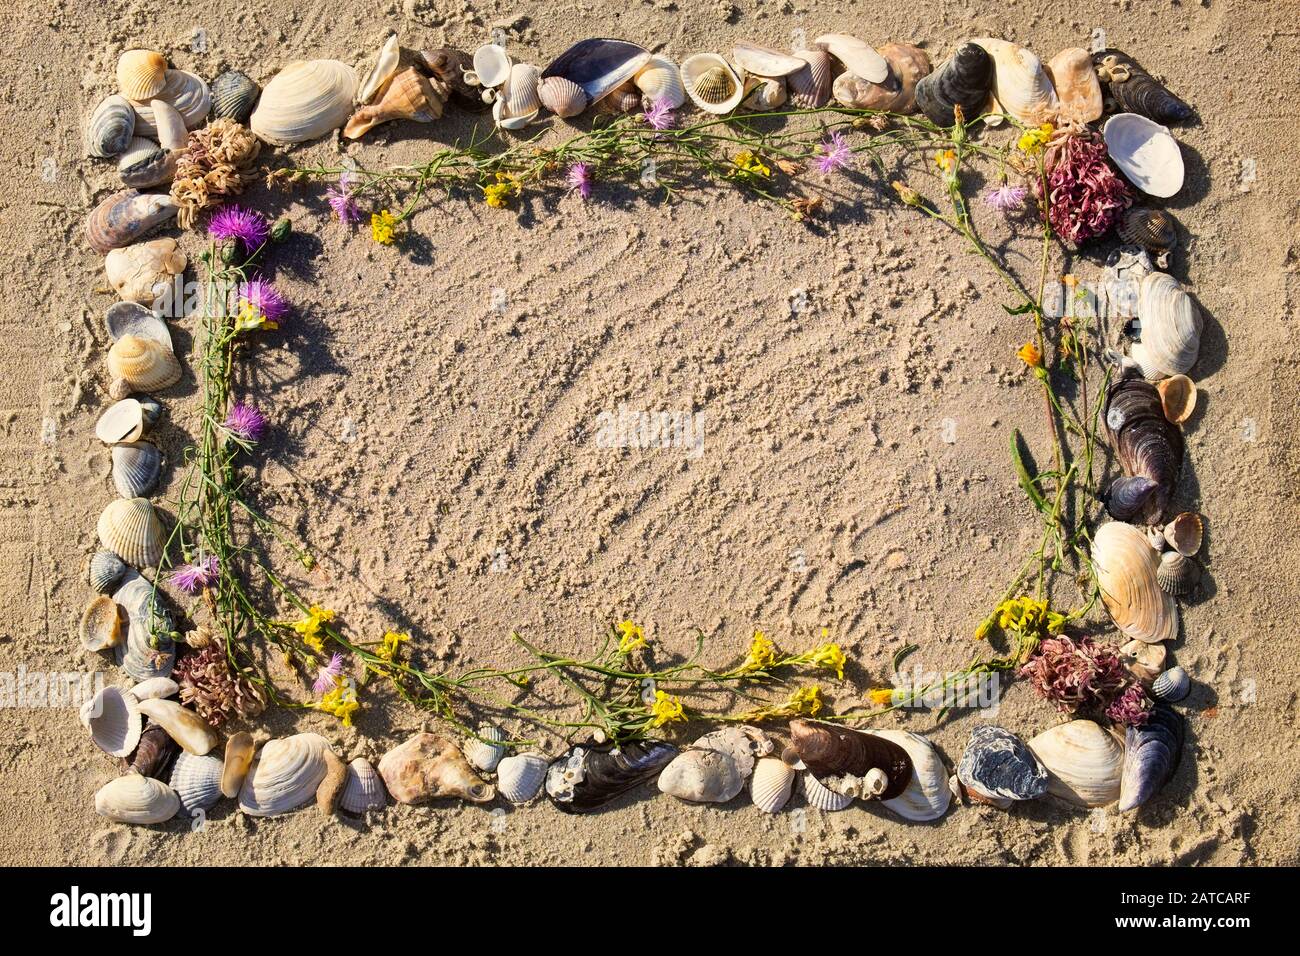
[750, 165]
[497, 195]
[666, 710]
[1029, 354]
[341, 702]
[391, 645]
[309, 628]
[982, 632]
[762, 653]
[1033, 140]
[830, 657]
[806, 700]
[249, 318]
[631, 636]
[381, 227]
[881, 696]
[947, 162]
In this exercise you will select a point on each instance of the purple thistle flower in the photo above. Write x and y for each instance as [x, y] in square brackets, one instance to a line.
[835, 154]
[341, 201]
[659, 115]
[246, 422]
[260, 298]
[1006, 197]
[245, 225]
[326, 676]
[191, 578]
[580, 179]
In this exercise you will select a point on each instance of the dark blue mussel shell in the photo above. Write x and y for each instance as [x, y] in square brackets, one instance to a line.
[588, 776]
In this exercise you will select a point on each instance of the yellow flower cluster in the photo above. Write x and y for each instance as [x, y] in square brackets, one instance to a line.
[881, 696]
[341, 702]
[762, 654]
[947, 163]
[1030, 354]
[248, 319]
[806, 700]
[830, 657]
[382, 225]
[631, 636]
[390, 645]
[1033, 140]
[497, 194]
[666, 710]
[750, 165]
[1028, 616]
[309, 627]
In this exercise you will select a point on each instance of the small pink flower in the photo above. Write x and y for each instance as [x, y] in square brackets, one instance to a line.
[235, 222]
[193, 577]
[580, 179]
[659, 115]
[835, 154]
[246, 422]
[1006, 197]
[327, 675]
[341, 201]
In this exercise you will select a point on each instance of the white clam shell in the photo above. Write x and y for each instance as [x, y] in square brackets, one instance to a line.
[170, 125]
[144, 163]
[823, 797]
[135, 799]
[304, 101]
[197, 782]
[1126, 573]
[142, 272]
[155, 687]
[1021, 86]
[520, 776]
[1171, 327]
[113, 721]
[660, 81]
[485, 754]
[1146, 153]
[364, 790]
[702, 776]
[284, 776]
[772, 783]
[130, 529]
[763, 93]
[131, 318]
[185, 92]
[927, 795]
[761, 61]
[491, 65]
[1084, 763]
[742, 743]
[121, 422]
[857, 56]
[185, 727]
[390, 56]
[694, 68]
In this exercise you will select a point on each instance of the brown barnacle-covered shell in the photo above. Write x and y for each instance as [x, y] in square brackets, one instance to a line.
[450, 66]
[829, 751]
[427, 767]
[1134, 90]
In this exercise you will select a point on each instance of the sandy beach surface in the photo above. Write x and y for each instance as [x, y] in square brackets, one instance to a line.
[435, 410]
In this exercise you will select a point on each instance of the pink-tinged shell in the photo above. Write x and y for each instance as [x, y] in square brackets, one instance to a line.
[810, 88]
[561, 96]
[125, 216]
[1078, 90]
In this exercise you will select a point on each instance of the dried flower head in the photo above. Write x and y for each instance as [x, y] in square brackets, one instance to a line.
[216, 163]
[1079, 675]
[213, 689]
[1085, 196]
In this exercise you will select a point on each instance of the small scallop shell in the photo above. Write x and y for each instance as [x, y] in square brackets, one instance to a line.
[156, 687]
[1146, 153]
[110, 127]
[125, 216]
[517, 104]
[822, 797]
[562, 97]
[711, 83]
[927, 795]
[183, 92]
[1126, 573]
[101, 624]
[764, 93]
[702, 776]
[185, 727]
[520, 777]
[145, 365]
[363, 791]
[113, 721]
[1153, 229]
[1177, 574]
[1171, 325]
[135, 799]
[765, 62]
[143, 272]
[1083, 762]
[141, 74]
[240, 748]
[130, 529]
[106, 569]
[136, 467]
[284, 776]
[771, 784]
[491, 65]
[1172, 686]
[122, 422]
[233, 96]
[485, 754]
[660, 82]
[810, 87]
[1185, 533]
[856, 55]
[197, 782]
[1177, 397]
[304, 101]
